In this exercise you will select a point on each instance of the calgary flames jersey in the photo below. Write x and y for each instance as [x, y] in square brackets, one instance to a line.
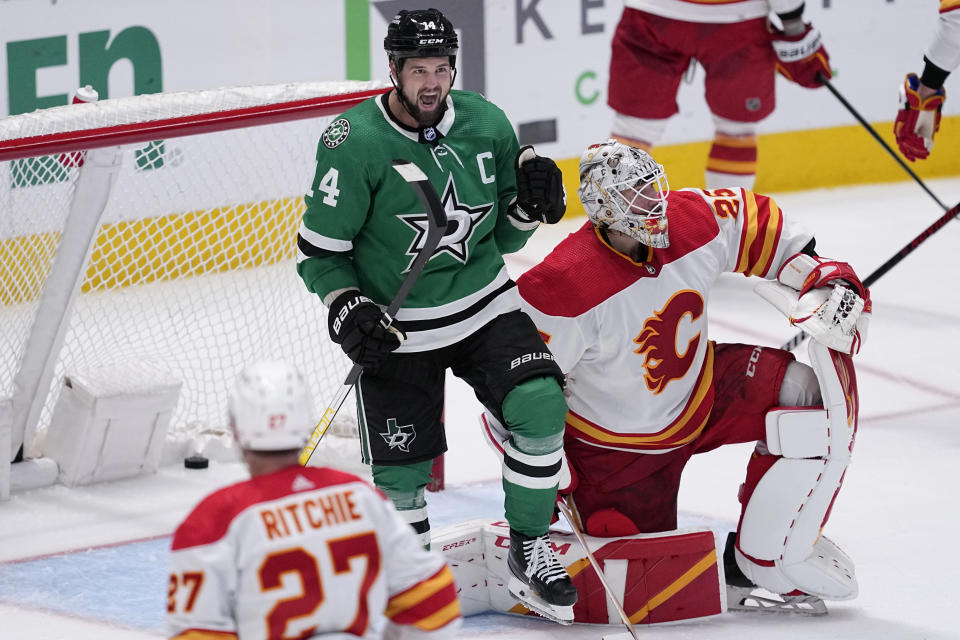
[714, 11]
[632, 336]
[299, 553]
[944, 51]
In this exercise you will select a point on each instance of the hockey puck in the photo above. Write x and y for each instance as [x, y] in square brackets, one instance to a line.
[196, 462]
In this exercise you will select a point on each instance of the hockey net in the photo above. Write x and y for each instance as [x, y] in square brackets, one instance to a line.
[191, 268]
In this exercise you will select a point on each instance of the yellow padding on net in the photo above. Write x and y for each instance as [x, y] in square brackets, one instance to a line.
[160, 249]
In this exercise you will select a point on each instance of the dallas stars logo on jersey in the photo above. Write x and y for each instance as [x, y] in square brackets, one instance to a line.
[462, 222]
[336, 133]
[398, 437]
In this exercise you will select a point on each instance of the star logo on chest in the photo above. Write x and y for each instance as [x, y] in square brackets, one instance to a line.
[462, 222]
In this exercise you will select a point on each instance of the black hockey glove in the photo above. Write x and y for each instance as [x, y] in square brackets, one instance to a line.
[355, 324]
[540, 193]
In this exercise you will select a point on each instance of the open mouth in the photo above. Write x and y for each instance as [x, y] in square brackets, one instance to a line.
[428, 101]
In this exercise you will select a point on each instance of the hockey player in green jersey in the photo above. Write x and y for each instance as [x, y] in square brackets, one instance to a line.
[363, 227]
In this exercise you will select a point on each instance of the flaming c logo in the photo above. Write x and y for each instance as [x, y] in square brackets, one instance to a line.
[849, 387]
[658, 340]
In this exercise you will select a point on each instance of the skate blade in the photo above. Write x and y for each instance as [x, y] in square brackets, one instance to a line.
[761, 601]
[523, 593]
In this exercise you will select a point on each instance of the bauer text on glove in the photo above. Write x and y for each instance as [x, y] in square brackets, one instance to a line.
[357, 325]
[801, 57]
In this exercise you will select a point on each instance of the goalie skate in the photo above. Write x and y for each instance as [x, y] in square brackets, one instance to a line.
[538, 579]
[743, 595]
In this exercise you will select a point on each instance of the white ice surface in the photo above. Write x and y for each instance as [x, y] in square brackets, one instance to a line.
[897, 514]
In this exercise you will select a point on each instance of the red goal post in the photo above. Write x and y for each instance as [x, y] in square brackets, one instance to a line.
[53, 131]
[167, 245]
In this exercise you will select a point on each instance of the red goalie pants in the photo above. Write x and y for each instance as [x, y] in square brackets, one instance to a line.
[644, 486]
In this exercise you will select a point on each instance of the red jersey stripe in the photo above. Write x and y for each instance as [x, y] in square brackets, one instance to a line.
[204, 634]
[762, 224]
[769, 224]
[949, 5]
[429, 604]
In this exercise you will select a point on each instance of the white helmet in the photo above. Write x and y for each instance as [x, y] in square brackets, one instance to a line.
[624, 189]
[270, 408]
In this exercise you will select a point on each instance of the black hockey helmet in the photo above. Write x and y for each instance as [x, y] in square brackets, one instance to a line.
[421, 33]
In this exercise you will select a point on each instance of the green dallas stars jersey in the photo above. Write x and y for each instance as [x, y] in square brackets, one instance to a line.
[363, 224]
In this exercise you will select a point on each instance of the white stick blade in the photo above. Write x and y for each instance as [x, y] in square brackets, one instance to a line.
[409, 171]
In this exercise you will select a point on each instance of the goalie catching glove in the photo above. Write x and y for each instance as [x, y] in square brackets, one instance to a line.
[541, 196]
[833, 306]
[359, 327]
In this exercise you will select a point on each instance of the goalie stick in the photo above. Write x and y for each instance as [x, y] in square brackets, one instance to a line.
[950, 214]
[603, 579]
[798, 339]
[822, 78]
[436, 227]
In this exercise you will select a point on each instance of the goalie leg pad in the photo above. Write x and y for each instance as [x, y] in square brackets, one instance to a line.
[799, 432]
[779, 544]
[787, 499]
[462, 547]
[657, 577]
[828, 569]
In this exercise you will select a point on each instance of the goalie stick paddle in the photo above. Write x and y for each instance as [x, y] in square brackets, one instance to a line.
[798, 339]
[436, 227]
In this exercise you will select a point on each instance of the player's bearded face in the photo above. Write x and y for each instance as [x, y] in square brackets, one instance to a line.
[425, 83]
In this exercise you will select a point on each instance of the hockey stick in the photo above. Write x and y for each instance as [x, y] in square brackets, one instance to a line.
[826, 81]
[798, 339]
[603, 579]
[436, 227]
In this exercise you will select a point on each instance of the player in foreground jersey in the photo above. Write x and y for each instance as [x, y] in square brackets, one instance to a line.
[622, 304]
[299, 552]
[921, 99]
[739, 50]
[362, 229]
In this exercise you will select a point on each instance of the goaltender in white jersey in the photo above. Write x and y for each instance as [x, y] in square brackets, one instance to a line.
[630, 332]
[300, 552]
[622, 306]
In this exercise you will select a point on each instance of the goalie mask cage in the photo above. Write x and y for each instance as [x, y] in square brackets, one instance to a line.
[175, 251]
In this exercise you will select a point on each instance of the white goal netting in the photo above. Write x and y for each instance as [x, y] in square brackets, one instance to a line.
[192, 263]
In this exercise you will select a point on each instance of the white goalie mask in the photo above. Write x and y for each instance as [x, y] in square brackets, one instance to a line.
[270, 408]
[624, 189]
